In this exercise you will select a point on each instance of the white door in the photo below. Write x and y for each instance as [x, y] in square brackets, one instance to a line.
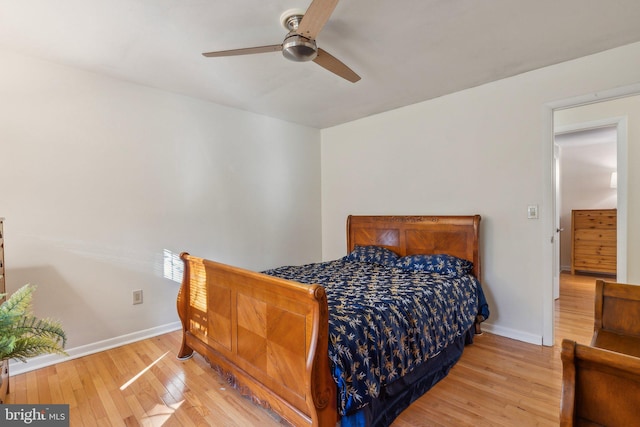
[557, 208]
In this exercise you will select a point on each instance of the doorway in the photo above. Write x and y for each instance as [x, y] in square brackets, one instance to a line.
[587, 180]
[611, 109]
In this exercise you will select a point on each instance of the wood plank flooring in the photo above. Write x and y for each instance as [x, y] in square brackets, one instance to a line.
[497, 382]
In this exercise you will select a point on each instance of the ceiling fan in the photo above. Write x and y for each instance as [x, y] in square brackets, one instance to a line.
[299, 45]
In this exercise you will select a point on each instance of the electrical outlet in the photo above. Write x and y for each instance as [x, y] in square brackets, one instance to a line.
[137, 297]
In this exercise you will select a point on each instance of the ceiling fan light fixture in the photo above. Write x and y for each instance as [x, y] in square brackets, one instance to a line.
[299, 49]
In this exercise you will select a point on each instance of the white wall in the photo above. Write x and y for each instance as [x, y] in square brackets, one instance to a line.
[486, 150]
[98, 177]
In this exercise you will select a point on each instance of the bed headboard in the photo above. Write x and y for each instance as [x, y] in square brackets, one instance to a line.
[408, 235]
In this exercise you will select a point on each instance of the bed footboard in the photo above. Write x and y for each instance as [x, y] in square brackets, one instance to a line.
[617, 317]
[268, 336]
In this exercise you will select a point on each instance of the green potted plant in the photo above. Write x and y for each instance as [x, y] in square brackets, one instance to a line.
[22, 335]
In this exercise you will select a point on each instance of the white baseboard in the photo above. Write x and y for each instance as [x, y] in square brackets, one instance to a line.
[16, 367]
[512, 333]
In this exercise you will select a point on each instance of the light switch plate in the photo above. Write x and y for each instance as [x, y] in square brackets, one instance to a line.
[532, 212]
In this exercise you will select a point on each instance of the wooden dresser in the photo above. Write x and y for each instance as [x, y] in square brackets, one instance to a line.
[594, 241]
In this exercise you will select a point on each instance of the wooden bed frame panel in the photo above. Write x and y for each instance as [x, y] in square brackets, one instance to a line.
[269, 336]
[599, 387]
[616, 323]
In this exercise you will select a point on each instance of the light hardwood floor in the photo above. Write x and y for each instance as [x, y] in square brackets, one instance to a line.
[497, 382]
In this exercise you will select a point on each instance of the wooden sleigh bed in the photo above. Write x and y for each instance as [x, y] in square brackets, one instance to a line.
[270, 336]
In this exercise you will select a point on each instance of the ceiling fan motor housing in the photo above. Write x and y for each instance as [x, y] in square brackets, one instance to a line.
[298, 48]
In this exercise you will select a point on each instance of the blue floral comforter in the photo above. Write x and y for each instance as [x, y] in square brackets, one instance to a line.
[385, 321]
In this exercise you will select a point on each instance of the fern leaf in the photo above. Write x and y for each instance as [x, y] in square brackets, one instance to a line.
[44, 328]
[22, 335]
[20, 301]
[28, 347]
[7, 344]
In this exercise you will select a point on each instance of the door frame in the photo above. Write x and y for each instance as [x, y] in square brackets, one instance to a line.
[549, 193]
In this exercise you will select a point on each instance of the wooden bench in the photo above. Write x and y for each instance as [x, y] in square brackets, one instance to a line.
[599, 387]
[617, 318]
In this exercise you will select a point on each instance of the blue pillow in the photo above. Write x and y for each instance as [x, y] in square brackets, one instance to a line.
[440, 263]
[375, 254]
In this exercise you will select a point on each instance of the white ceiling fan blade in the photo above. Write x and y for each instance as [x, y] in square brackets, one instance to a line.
[244, 51]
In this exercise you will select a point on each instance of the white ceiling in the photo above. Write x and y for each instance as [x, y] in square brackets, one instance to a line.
[405, 51]
[593, 147]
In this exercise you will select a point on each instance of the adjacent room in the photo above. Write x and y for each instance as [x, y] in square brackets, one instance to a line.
[253, 135]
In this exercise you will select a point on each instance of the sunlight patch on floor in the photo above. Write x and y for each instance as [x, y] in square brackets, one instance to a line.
[139, 374]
